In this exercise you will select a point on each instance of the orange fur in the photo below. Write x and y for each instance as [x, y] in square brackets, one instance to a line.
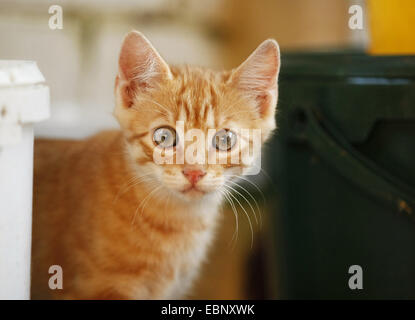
[120, 225]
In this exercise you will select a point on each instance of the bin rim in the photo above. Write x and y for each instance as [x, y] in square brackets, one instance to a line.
[343, 64]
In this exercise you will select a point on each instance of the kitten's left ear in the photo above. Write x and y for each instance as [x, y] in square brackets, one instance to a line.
[257, 77]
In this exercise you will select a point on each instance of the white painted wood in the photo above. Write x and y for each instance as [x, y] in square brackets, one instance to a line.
[23, 101]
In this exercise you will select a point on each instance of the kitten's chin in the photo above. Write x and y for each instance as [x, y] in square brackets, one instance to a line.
[193, 193]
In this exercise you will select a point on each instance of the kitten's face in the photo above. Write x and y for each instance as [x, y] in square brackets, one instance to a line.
[188, 128]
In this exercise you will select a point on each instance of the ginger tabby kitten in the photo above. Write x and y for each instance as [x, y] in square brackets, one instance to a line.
[122, 225]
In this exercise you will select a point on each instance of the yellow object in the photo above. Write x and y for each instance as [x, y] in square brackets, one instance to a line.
[392, 26]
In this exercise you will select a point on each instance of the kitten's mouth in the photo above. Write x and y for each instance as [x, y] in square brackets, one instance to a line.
[192, 190]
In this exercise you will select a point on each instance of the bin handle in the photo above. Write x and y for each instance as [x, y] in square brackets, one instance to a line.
[333, 148]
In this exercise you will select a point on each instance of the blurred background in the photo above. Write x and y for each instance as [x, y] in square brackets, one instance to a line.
[79, 63]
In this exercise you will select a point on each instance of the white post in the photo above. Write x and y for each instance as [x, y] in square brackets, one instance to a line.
[24, 99]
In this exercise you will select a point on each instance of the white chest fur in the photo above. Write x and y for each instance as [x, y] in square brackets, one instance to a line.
[188, 265]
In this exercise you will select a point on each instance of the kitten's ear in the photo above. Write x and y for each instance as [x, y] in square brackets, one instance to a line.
[257, 77]
[140, 67]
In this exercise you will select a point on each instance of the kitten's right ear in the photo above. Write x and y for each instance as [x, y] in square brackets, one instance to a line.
[140, 67]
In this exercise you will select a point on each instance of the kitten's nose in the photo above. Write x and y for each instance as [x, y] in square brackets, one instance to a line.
[193, 175]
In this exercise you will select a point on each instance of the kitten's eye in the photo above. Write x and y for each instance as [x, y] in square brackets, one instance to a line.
[224, 139]
[165, 137]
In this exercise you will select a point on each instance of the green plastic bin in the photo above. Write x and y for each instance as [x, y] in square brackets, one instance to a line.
[343, 163]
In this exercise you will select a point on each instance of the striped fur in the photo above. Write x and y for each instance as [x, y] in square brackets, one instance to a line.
[120, 225]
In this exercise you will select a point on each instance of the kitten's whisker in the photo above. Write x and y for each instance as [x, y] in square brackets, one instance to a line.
[150, 195]
[131, 183]
[250, 182]
[253, 198]
[260, 192]
[142, 201]
[247, 216]
[155, 102]
[265, 174]
[248, 202]
[141, 111]
[135, 179]
[123, 186]
[131, 180]
[235, 235]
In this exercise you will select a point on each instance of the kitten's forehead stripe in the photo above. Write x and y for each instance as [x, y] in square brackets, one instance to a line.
[210, 118]
[201, 98]
[213, 96]
[198, 97]
[182, 115]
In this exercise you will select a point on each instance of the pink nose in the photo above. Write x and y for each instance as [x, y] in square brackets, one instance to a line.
[193, 175]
